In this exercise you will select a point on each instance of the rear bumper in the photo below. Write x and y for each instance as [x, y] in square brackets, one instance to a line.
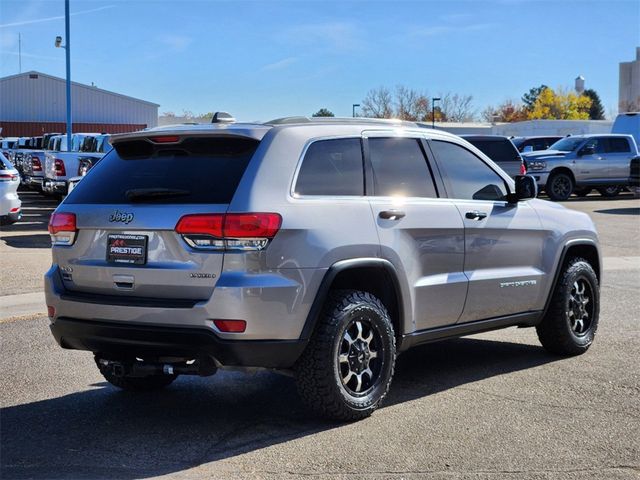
[54, 186]
[139, 340]
[33, 181]
[11, 217]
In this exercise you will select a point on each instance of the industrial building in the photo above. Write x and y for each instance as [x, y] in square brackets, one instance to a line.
[629, 87]
[33, 103]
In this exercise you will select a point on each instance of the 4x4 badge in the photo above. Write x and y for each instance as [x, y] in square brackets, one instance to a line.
[121, 217]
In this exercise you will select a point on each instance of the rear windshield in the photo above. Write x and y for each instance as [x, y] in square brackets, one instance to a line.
[496, 150]
[198, 170]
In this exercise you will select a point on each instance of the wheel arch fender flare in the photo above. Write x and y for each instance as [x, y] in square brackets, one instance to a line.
[343, 266]
[570, 245]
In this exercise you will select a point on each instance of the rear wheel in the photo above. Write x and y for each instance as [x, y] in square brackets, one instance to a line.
[136, 384]
[571, 321]
[610, 192]
[346, 370]
[559, 186]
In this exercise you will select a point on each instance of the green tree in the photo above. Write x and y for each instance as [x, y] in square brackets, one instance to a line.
[323, 112]
[596, 112]
[529, 98]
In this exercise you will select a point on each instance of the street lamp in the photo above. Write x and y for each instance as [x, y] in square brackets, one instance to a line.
[67, 47]
[353, 109]
[433, 111]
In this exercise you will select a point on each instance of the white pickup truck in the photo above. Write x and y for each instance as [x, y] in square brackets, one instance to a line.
[62, 163]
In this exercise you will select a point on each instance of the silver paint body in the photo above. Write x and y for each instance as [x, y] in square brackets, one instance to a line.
[450, 269]
[599, 169]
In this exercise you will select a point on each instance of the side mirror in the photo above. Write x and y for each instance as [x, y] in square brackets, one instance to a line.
[527, 149]
[526, 188]
[588, 150]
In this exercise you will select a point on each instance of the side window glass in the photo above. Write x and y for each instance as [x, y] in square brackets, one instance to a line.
[466, 176]
[618, 145]
[596, 144]
[332, 167]
[400, 168]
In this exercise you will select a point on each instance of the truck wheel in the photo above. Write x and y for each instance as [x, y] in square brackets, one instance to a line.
[582, 192]
[610, 192]
[570, 324]
[135, 384]
[347, 367]
[559, 187]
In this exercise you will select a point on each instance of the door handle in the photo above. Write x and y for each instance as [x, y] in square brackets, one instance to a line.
[476, 215]
[392, 214]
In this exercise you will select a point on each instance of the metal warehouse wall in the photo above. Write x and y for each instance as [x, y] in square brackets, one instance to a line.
[37, 97]
[36, 129]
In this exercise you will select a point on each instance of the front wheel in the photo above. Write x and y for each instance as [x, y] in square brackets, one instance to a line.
[559, 187]
[346, 370]
[610, 191]
[570, 324]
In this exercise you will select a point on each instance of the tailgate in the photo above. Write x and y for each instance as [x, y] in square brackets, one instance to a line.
[99, 261]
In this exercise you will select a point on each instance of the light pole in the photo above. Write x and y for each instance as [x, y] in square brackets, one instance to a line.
[433, 111]
[353, 109]
[67, 47]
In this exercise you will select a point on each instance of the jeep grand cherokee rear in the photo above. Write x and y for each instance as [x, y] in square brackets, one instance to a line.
[321, 247]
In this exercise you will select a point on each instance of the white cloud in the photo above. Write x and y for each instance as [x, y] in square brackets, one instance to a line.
[176, 43]
[280, 64]
[448, 29]
[339, 36]
[48, 19]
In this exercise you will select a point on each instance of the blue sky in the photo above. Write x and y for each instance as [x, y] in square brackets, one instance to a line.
[264, 59]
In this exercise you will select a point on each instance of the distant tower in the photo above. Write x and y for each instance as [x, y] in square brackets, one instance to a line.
[579, 84]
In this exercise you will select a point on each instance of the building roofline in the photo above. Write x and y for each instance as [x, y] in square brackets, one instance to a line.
[53, 77]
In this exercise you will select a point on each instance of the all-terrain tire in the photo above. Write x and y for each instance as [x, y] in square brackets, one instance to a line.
[559, 186]
[323, 369]
[558, 332]
[136, 384]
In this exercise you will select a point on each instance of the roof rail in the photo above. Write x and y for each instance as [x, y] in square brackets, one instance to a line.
[348, 120]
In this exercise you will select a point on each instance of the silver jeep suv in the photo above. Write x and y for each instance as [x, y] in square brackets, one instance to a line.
[319, 247]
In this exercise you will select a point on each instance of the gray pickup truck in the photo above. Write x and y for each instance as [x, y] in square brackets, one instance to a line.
[579, 163]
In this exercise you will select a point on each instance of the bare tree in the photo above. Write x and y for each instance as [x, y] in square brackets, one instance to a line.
[507, 111]
[456, 108]
[410, 104]
[378, 103]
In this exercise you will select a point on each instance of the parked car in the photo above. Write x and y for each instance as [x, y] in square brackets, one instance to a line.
[628, 123]
[315, 246]
[580, 163]
[532, 144]
[34, 161]
[100, 146]
[61, 165]
[501, 150]
[10, 205]
[634, 175]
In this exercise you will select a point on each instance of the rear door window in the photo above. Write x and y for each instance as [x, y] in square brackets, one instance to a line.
[400, 168]
[198, 170]
[332, 167]
[618, 145]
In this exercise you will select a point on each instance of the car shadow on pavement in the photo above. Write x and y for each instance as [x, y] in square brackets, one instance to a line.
[38, 240]
[620, 211]
[105, 433]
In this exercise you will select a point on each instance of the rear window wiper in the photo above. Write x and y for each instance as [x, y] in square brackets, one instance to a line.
[137, 194]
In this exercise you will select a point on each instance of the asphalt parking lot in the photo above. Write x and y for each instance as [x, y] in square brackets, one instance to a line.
[489, 406]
